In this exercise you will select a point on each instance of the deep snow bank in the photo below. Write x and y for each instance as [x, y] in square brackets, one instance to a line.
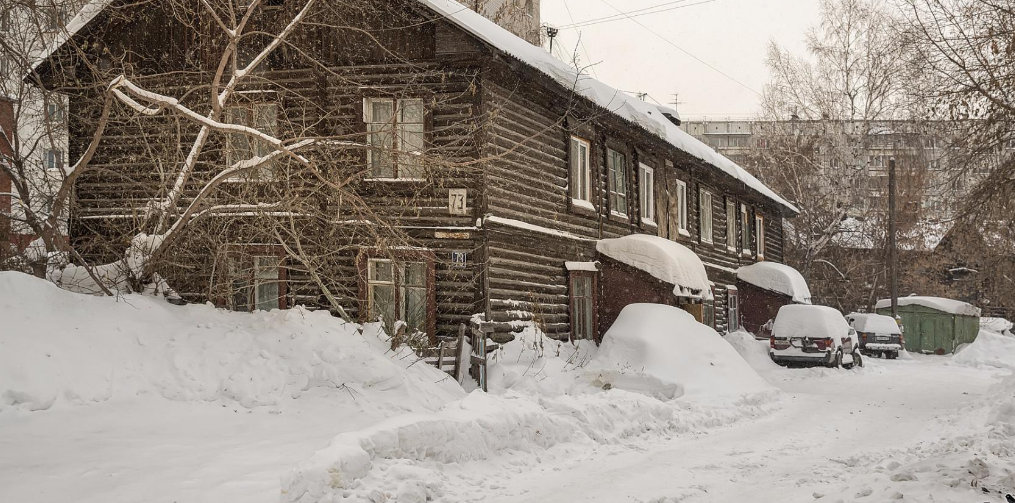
[667, 375]
[989, 349]
[58, 347]
[662, 351]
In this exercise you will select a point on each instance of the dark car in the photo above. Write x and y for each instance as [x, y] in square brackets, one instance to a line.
[879, 335]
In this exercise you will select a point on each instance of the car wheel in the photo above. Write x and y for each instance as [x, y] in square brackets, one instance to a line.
[893, 355]
[857, 360]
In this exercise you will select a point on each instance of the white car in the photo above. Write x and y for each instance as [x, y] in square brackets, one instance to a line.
[813, 335]
[879, 335]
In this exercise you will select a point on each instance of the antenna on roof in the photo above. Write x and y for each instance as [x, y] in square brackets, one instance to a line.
[551, 33]
[641, 96]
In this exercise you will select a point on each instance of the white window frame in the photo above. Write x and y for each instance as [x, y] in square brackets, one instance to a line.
[647, 193]
[399, 129]
[705, 216]
[612, 188]
[732, 309]
[745, 224]
[682, 208]
[580, 189]
[731, 225]
[53, 159]
[759, 229]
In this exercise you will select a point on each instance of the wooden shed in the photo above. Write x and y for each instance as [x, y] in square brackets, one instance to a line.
[933, 324]
[764, 287]
[640, 268]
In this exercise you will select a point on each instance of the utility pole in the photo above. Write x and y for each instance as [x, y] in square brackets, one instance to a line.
[893, 270]
[551, 33]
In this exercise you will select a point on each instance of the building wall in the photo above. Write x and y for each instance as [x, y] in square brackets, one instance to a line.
[521, 17]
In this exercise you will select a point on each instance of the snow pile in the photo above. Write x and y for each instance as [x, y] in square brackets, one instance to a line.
[652, 376]
[797, 320]
[96, 349]
[778, 278]
[870, 323]
[945, 305]
[996, 325]
[990, 349]
[663, 259]
[664, 352]
[753, 351]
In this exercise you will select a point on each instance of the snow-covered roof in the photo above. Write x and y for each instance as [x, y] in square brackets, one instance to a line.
[776, 277]
[797, 320]
[646, 115]
[946, 305]
[663, 259]
[871, 323]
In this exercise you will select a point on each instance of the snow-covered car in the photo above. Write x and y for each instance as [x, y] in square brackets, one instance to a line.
[879, 335]
[814, 335]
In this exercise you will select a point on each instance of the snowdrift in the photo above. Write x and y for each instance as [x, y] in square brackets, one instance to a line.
[662, 351]
[657, 372]
[989, 349]
[60, 348]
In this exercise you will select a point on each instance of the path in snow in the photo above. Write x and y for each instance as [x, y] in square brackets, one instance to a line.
[836, 429]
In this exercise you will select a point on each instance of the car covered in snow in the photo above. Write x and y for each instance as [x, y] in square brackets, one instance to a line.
[817, 335]
[878, 335]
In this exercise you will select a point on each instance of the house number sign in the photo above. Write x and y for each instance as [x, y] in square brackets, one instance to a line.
[456, 202]
[459, 259]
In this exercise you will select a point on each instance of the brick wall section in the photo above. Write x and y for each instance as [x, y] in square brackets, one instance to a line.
[7, 126]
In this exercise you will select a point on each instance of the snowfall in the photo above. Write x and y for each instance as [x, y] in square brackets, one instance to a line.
[132, 399]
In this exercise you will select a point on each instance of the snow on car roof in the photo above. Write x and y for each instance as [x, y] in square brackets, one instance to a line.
[946, 305]
[801, 320]
[777, 277]
[663, 259]
[874, 323]
[645, 115]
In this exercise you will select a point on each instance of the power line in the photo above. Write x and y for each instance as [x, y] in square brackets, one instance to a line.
[632, 14]
[681, 49]
[581, 43]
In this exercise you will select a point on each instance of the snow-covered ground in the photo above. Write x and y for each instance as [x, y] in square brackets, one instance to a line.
[106, 400]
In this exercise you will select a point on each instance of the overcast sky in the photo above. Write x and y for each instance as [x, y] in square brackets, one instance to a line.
[730, 35]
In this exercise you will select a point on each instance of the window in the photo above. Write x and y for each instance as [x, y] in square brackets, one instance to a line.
[759, 230]
[581, 173]
[583, 305]
[647, 193]
[732, 309]
[745, 230]
[256, 283]
[397, 291]
[705, 215]
[54, 111]
[731, 225]
[240, 147]
[395, 133]
[54, 159]
[616, 166]
[682, 208]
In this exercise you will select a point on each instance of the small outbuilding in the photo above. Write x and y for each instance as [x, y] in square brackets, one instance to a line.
[644, 269]
[764, 288]
[933, 324]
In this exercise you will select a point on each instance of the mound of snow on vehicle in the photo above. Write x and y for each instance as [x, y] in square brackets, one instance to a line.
[990, 349]
[664, 352]
[85, 349]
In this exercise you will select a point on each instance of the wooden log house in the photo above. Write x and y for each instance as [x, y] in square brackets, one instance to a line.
[553, 162]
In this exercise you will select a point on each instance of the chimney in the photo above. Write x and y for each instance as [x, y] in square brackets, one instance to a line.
[520, 17]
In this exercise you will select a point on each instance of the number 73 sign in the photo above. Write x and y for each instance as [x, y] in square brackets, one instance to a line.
[456, 202]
